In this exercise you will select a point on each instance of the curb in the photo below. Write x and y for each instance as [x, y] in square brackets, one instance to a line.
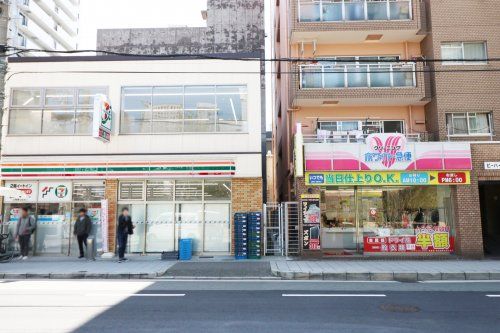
[403, 276]
[226, 278]
[80, 276]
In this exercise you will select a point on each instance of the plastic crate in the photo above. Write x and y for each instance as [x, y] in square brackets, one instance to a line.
[185, 249]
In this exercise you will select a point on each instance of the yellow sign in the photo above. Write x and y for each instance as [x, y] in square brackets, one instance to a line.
[389, 178]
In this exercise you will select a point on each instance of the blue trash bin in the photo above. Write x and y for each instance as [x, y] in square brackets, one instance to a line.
[185, 249]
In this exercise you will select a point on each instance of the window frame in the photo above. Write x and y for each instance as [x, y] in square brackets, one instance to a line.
[467, 116]
[43, 107]
[244, 119]
[464, 61]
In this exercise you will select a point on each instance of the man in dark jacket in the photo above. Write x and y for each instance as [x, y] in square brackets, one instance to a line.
[24, 228]
[82, 228]
[125, 228]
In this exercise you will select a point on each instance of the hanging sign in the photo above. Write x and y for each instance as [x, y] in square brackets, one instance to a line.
[55, 192]
[103, 118]
[30, 189]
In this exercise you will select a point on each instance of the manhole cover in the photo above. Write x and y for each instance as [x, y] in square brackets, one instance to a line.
[400, 308]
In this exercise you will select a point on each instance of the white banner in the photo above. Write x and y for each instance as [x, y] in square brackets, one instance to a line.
[103, 118]
[55, 192]
[29, 188]
[104, 225]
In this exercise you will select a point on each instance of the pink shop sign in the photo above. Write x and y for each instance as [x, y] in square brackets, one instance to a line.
[382, 152]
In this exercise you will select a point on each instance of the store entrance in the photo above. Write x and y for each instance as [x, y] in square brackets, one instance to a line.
[489, 194]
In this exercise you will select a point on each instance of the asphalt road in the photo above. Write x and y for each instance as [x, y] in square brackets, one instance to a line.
[247, 306]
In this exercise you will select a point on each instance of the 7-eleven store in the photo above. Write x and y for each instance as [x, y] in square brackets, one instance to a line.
[167, 200]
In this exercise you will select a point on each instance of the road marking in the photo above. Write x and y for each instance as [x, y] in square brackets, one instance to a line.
[493, 296]
[137, 295]
[460, 281]
[333, 295]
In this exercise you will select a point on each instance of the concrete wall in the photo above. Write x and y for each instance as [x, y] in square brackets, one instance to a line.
[232, 26]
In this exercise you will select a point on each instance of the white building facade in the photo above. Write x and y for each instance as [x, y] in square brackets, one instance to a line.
[185, 151]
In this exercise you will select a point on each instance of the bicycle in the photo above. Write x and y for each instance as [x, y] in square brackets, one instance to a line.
[6, 255]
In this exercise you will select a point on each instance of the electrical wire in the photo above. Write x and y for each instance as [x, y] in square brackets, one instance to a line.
[230, 57]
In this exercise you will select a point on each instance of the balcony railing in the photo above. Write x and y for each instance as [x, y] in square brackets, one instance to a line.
[387, 75]
[353, 137]
[348, 10]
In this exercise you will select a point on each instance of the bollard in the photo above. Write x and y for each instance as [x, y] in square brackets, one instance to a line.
[90, 249]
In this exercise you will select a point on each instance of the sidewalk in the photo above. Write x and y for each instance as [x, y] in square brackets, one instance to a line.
[71, 268]
[390, 270]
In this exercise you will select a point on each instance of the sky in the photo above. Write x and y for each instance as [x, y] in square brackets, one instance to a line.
[109, 14]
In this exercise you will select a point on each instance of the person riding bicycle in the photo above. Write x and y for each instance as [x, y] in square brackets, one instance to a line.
[24, 228]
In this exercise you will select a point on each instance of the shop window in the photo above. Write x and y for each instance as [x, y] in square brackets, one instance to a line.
[188, 190]
[160, 190]
[88, 192]
[464, 53]
[188, 109]
[53, 111]
[469, 123]
[131, 190]
[217, 190]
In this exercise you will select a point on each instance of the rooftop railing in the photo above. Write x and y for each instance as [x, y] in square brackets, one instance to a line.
[352, 137]
[350, 10]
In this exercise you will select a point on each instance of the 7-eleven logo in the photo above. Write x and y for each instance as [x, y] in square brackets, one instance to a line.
[46, 191]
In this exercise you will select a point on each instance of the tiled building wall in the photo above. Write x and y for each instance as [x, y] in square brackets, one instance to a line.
[467, 205]
[246, 197]
[111, 195]
[455, 89]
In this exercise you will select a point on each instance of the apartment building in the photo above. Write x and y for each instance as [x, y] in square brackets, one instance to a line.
[43, 24]
[385, 152]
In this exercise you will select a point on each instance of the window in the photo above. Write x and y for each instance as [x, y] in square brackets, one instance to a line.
[339, 126]
[88, 191]
[52, 111]
[22, 40]
[131, 190]
[470, 123]
[24, 20]
[184, 109]
[464, 53]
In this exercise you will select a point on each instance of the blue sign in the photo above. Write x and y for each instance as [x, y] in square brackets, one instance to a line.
[316, 179]
[415, 178]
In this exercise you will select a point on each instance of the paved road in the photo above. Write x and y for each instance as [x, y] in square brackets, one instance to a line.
[248, 269]
[247, 306]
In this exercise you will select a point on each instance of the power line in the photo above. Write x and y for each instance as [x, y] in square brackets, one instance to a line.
[229, 57]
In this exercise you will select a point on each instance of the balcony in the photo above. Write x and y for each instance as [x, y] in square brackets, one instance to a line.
[360, 84]
[358, 76]
[345, 21]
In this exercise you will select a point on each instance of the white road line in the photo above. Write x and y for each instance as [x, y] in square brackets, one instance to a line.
[333, 295]
[137, 295]
[459, 281]
[493, 296]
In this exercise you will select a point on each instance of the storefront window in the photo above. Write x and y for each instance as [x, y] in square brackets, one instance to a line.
[188, 190]
[217, 190]
[164, 211]
[394, 211]
[351, 215]
[53, 228]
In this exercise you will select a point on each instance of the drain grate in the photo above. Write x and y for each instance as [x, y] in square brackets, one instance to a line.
[399, 308]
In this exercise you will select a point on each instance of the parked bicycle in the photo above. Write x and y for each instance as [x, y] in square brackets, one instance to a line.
[6, 254]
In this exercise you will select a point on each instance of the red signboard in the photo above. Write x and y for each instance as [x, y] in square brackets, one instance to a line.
[452, 178]
[431, 239]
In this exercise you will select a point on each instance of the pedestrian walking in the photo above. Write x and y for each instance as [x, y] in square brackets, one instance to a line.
[24, 228]
[82, 228]
[125, 228]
